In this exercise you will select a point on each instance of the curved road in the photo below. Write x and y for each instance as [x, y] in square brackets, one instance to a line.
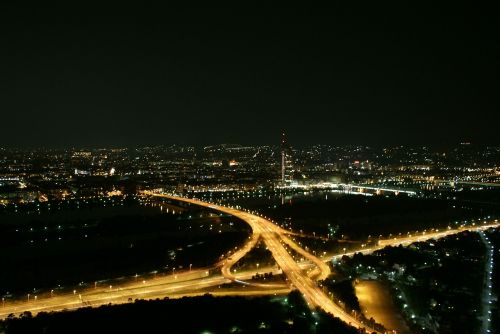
[274, 238]
[188, 283]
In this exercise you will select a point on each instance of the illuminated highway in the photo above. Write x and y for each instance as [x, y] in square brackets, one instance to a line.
[274, 238]
[236, 256]
[322, 269]
[199, 281]
[188, 283]
[416, 237]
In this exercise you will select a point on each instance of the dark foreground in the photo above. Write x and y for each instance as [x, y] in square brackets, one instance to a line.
[206, 314]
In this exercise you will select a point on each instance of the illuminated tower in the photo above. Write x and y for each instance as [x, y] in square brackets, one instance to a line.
[283, 154]
[286, 161]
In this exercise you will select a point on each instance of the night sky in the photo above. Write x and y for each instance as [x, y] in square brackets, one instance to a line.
[117, 76]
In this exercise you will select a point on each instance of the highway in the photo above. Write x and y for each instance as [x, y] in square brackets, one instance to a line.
[197, 282]
[109, 294]
[412, 238]
[275, 239]
[420, 237]
[236, 256]
[323, 270]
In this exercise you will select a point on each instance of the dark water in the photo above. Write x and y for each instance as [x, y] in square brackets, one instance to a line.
[357, 216]
[74, 245]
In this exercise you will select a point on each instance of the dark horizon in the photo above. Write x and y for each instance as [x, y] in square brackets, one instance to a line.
[136, 76]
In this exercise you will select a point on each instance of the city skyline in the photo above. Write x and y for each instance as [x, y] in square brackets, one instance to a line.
[326, 227]
[249, 168]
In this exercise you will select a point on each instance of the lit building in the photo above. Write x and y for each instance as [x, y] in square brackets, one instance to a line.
[286, 162]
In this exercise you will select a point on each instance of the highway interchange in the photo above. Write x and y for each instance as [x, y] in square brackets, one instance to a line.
[200, 281]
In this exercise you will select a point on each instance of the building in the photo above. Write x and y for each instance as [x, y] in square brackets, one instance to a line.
[286, 162]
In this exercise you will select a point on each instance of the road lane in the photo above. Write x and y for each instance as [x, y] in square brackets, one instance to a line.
[273, 236]
[275, 239]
